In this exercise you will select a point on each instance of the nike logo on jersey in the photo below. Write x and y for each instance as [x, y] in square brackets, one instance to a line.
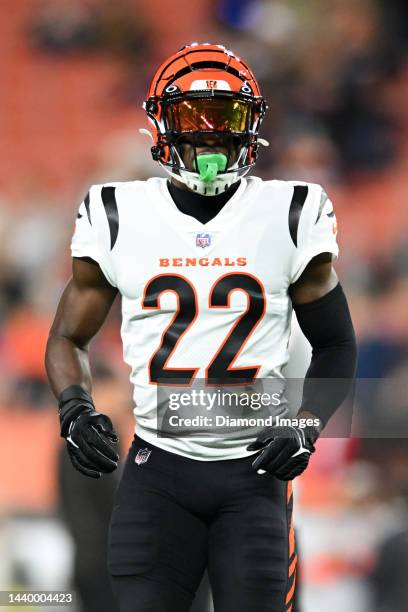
[179, 262]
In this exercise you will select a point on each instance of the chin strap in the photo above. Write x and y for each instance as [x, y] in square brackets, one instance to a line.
[219, 184]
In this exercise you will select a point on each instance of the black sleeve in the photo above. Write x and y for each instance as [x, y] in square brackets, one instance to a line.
[327, 325]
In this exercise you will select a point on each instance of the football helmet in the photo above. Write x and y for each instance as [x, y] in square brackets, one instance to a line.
[206, 98]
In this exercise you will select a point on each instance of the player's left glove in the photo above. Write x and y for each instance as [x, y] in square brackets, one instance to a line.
[285, 451]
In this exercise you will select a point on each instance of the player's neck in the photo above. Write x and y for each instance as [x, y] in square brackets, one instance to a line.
[201, 207]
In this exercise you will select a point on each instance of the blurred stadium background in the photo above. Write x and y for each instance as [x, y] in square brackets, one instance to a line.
[74, 74]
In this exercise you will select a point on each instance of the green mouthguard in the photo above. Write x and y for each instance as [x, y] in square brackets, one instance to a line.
[209, 164]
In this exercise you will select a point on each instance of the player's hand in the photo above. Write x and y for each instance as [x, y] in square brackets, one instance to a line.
[92, 443]
[285, 451]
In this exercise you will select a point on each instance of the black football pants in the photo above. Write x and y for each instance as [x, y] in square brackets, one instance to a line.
[176, 516]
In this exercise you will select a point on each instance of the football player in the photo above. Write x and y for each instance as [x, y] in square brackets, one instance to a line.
[209, 265]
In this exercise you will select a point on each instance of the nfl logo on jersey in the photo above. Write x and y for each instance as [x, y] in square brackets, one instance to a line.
[203, 240]
[142, 456]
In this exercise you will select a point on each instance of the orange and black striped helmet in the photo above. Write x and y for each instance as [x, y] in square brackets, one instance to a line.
[204, 89]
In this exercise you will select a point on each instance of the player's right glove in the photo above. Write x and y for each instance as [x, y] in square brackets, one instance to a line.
[92, 443]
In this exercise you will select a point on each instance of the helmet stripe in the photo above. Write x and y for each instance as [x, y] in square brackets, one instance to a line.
[190, 51]
[203, 65]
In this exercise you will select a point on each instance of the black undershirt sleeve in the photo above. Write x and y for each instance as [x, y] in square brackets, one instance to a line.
[327, 325]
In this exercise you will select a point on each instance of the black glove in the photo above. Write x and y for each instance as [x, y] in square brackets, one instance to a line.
[285, 450]
[92, 442]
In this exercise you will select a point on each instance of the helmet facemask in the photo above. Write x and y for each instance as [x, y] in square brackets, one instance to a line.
[207, 142]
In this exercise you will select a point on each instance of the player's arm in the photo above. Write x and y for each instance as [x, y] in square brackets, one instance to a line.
[324, 318]
[83, 308]
[323, 314]
[81, 312]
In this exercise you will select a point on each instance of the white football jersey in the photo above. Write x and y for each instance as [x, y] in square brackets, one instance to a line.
[203, 301]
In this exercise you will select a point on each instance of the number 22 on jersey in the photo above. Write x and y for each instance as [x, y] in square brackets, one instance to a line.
[220, 370]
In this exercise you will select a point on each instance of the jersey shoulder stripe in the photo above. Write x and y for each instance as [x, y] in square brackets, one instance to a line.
[323, 199]
[295, 209]
[111, 209]
[87, 207]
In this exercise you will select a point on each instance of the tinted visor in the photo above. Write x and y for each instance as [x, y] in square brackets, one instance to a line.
[208, 114]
